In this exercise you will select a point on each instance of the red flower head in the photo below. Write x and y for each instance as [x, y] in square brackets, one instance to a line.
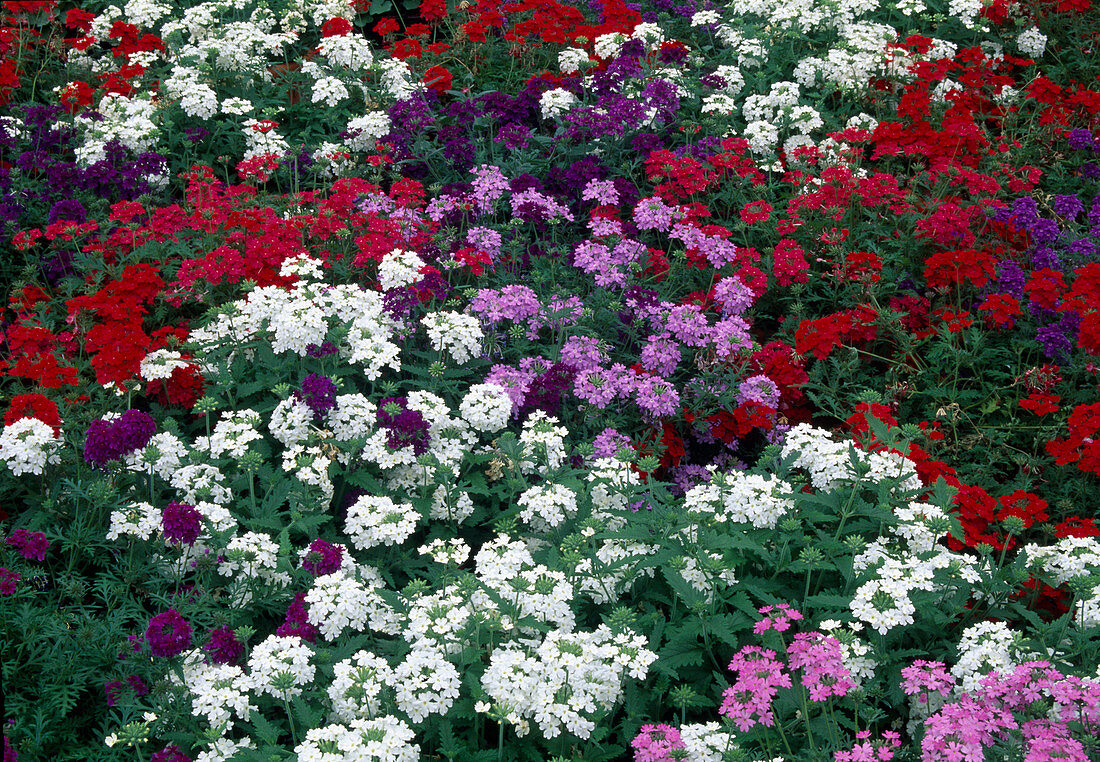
[438, 79]
[336, 27]
[386, 26]
[34, 406]
[407, 48]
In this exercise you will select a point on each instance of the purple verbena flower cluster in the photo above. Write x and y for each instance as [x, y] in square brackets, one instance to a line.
[110, 440]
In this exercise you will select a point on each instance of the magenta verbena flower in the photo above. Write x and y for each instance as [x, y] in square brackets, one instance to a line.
[112, 689]
[181, 523]
[297, 621]
[223, 646]
[925, 677]
[865, 750]
[322, 558]
[8, 578]
[654, 743]
[170, 753]
[406, 427]
[169, 634]
[31, 545]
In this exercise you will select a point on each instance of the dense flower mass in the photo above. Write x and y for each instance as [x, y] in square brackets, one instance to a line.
[476, 382]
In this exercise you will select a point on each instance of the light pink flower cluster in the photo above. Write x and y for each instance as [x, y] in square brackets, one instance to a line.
[780, 620]
[654, 743]
[998, 710]
[868, 751]
[925, 677]
[821, 660]
[760, 675]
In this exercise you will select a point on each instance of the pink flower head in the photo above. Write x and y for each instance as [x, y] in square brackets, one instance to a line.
[866, 750]
[780, 620]
[759, 677]
[655, 742]
[925, 677]
[821, 659]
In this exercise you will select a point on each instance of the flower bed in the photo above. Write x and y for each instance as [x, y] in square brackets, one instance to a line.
[529, 381]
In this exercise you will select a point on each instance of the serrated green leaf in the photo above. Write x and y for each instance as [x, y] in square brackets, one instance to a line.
[265, 729]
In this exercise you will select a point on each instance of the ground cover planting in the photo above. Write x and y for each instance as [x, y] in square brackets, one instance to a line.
[648, 381]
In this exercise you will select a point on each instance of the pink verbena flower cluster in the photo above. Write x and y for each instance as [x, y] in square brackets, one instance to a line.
[998, 711]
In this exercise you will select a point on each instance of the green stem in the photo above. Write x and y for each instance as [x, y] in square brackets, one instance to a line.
[290, 720]
[806, 717]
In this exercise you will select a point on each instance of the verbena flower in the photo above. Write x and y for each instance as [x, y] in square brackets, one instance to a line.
[31, 545]
[181, 523]
[223, 646]
[168, 634]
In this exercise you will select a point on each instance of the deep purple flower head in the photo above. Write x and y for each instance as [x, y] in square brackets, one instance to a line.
[1082, 249]
[181, 523]
[169, 634]
[99, 444]
[67, 209]
[31, 545]
[223, 646]
[1044, 231]
[322, 350]
[646, 142]
[10, 754]
[513, 136]
[1056, 345]
[318, 393]
[406, 427]
[195, 134]
[399, 303]
[1067, 206]
[526, 181]
[322, 558]
[545, 391]
[110, 440]
[170, 753]
[673, 55]
[112, 689]
[1011, 278]
[137, 685]
[1081, 139]
[297, 621]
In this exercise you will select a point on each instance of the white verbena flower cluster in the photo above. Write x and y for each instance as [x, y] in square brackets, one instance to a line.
[374, 521]
[460, 336]
[566, 681]
[28, 445]
[908, 559]
[1072, 558]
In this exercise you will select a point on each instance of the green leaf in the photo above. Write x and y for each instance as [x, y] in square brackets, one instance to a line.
[683, 650]
[449, 745]
[307, 714]
[266, 731]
